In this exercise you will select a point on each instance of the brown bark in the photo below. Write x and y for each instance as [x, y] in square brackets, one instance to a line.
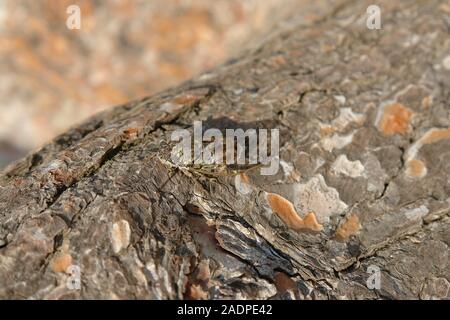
[364, 183]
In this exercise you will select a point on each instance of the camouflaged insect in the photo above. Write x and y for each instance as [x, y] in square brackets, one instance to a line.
[221, 170]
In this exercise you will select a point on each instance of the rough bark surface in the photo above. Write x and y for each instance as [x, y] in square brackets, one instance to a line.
[365, 141]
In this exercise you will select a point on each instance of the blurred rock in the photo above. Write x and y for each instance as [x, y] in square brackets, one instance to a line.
[9, 153]
[53, 77]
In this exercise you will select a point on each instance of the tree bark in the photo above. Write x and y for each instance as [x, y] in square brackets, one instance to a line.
[363, 185]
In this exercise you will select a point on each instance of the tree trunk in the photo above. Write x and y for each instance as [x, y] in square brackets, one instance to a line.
[358, 209]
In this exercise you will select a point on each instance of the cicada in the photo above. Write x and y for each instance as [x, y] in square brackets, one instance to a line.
[221, 170]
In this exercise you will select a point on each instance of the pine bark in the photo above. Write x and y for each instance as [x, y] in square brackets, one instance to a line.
[365, 141]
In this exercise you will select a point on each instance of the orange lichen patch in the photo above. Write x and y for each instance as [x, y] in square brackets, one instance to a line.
[445, 7]
[435, 135]
[416, 168]
[326, 131]
[61, 262]
[286, 211]
[204, 272]
[186, 99]
[244, 178]
[131, 132]
[396, 118]
[196, 292]
[348, 228]
[279, 60]
[311, 223]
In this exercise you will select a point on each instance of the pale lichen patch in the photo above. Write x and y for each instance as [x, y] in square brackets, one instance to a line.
[340, 99]
[347, 116]
[339, 124]
[446, 62]
[120, 235]
[287, 213]
[342, 165]
[289, 171]
[170, 107]
[316, 196]
[336, 142]
[348, 228]
[417, 213]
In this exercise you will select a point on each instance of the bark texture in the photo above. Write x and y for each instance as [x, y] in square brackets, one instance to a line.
[364, 179]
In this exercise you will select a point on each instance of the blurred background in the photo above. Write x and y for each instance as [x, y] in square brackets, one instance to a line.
[52, 77]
